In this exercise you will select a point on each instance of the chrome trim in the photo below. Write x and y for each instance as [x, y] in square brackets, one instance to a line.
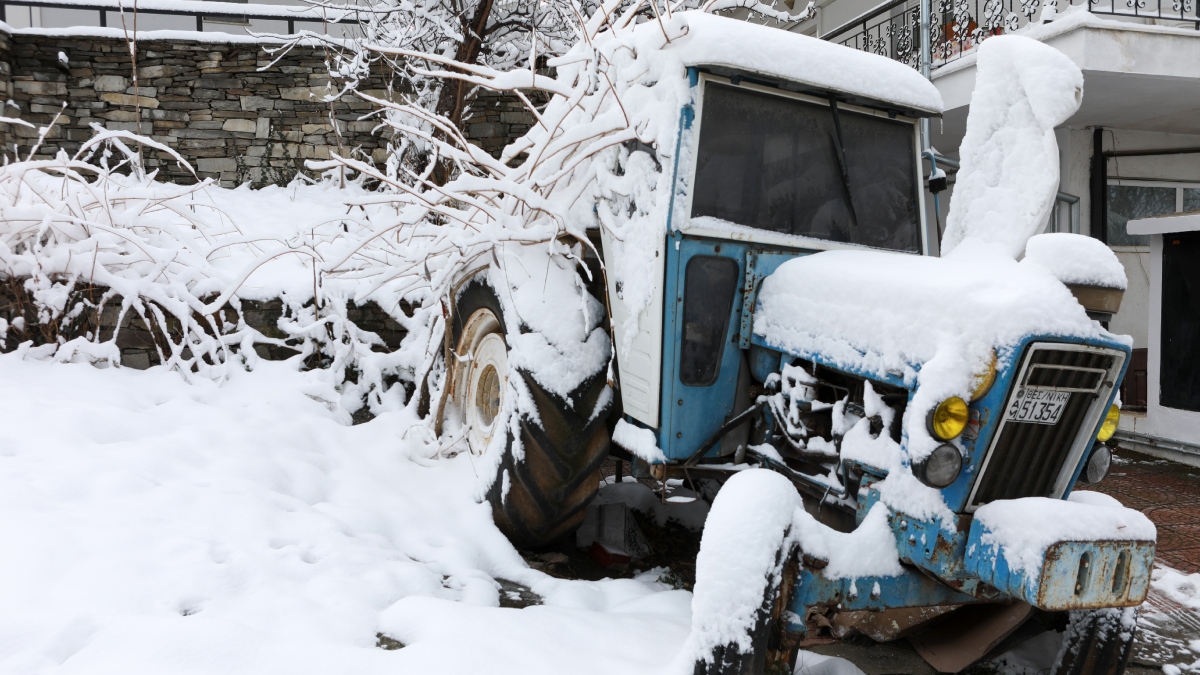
[1091, 420]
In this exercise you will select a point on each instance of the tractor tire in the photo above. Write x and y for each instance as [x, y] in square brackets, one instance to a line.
[541, 493]
[772, 649]
[1097, 642]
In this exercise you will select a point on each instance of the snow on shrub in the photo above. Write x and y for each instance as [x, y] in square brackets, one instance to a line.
[78, 237]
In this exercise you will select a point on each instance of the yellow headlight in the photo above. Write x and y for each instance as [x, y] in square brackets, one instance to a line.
[1110, 424]
[949, 418]
[984, 380]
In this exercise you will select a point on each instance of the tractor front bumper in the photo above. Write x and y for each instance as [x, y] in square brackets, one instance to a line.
[1068, 574]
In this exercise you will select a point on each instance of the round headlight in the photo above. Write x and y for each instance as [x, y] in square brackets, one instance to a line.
[1110, 424]
[941, 467]
[948, 419]
[1097, 465]
[984, 381]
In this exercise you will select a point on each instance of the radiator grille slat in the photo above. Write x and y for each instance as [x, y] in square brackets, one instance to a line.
[1026, 459]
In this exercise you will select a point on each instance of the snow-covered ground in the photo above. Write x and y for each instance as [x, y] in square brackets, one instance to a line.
[156, 526]
[151, 525]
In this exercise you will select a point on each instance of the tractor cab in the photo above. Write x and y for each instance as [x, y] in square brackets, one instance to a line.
[787, 145]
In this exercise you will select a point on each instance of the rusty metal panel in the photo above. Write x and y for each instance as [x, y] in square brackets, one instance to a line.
[1073, 574]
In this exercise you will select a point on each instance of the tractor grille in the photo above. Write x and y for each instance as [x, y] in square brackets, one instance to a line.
[1036, 460]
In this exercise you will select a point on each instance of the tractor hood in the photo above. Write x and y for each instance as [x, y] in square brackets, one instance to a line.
[892, 314]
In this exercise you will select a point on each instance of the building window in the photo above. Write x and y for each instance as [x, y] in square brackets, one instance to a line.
[1191, 199]
[1132, 199]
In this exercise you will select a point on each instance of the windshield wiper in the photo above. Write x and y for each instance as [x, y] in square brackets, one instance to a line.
[841, 157]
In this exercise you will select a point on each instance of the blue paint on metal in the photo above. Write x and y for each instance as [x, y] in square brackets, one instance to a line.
[763, 362]
[909, 589]
[760, 264]
[1071, 574]
[985, 414]
[691, 414]
[956, 567]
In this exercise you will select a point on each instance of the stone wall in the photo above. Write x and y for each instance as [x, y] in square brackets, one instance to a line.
[226, 107]
[209, 101]
[494, 120]
[6, 93]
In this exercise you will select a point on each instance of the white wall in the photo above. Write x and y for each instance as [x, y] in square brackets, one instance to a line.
[1162, 422]
[1075, 148]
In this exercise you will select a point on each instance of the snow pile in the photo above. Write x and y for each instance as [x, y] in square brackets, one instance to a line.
[1180, 587]
[1024, 528]
[159, 526]
[1009, 176]
[889, 313]
[562, 336]
[1076, 259]
[638, 441]
[639, 497]
[870, 550]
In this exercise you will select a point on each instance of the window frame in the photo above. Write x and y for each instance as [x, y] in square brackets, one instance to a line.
[727, 317]
[690, 144]
[1178, 185]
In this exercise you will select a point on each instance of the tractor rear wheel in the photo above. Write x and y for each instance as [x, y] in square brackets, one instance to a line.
[551, 471]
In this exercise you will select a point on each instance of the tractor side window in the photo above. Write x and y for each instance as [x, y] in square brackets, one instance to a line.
[710, 283]
[781, 164]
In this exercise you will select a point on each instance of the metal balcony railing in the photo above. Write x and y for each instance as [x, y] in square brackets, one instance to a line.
[958, 26]
[199, 9]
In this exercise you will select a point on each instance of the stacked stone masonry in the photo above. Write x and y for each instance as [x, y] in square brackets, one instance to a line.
[235, 112]
[225, 107]
[6, 89]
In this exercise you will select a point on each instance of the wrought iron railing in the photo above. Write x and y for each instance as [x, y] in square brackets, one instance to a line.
[958, 26]
[197, 9]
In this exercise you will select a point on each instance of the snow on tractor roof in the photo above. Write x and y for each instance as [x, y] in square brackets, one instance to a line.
[752, 48]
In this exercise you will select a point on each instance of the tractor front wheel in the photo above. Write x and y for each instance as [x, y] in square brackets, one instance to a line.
[747, 564]
[1097, 642]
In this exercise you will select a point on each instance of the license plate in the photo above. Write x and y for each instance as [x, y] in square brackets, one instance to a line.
[1037, 406]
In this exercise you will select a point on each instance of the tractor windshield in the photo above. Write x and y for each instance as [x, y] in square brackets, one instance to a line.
[792, 166]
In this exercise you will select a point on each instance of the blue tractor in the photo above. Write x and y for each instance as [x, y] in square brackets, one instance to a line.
[791, 319]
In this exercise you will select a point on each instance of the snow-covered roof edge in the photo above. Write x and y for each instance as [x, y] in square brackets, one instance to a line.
[720, 41]
[1173, 222]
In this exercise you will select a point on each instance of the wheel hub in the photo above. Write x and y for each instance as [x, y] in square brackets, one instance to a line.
[482, 377]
